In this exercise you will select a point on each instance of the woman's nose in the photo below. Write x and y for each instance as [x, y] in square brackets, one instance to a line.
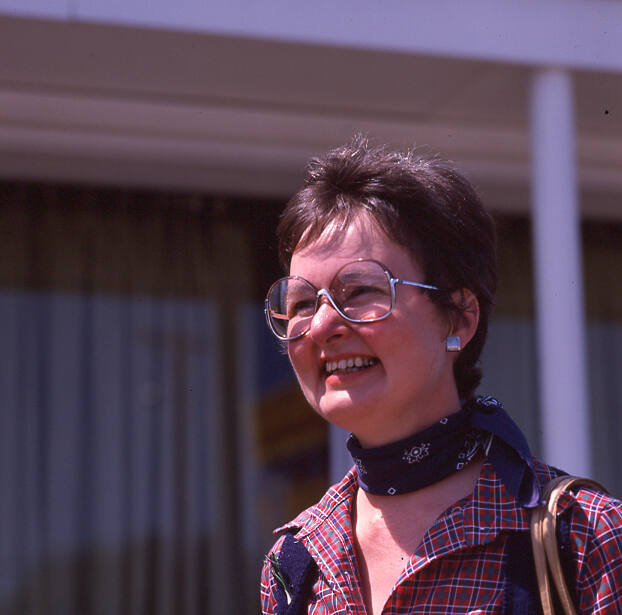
[326, 322]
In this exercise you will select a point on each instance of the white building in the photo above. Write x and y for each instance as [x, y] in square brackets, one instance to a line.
[145, 150]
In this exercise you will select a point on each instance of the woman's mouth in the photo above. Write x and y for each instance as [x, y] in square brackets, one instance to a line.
[347, 366]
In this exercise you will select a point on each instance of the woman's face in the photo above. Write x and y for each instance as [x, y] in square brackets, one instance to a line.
[409, 384]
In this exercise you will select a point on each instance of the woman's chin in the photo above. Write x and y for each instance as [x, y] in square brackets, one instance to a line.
[338, 408]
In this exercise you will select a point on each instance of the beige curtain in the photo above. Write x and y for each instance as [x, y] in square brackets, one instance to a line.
[110, 404]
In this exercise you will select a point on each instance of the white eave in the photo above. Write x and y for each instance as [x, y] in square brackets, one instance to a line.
[236, 97]
[570, 33]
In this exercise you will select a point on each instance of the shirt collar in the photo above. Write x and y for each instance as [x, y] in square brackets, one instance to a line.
[491, 509]
[488, 511]
[340, 494]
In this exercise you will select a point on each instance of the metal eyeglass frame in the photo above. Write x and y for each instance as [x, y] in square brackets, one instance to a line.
[323, 292]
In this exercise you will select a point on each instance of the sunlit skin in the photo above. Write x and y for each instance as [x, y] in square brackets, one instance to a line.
[412, 384]
[410, 387]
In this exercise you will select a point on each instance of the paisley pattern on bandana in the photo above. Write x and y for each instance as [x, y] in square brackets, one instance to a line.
[416, 453]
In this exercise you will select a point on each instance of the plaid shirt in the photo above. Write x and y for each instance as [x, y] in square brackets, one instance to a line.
[459, 566]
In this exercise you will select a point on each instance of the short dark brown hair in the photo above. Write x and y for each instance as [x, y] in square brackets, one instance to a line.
[422, 203]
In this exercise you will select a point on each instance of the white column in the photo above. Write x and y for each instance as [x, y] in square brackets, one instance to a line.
[558, 271]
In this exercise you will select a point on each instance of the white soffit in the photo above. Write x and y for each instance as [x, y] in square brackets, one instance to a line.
[83, 102]
[574, 33]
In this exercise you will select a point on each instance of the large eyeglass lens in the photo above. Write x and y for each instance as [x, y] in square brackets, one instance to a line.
[291, 305]
[361, 290]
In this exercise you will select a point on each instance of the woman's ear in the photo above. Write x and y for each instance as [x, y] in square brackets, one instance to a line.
[464, 322]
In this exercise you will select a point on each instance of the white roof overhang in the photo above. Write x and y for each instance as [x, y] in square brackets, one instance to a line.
[240, 109]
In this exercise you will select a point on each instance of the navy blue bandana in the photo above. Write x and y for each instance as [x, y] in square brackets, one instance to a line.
[481, 426]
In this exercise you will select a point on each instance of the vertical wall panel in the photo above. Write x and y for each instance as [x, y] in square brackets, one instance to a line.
[144, 402]
[12, 547]
[93, 487]
[30, 464]
[110, 391]
[107, 367]
[63, 353]
[511, 374]
[605, 361]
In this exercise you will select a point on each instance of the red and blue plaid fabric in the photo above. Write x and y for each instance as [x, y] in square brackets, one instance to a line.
[459, 566]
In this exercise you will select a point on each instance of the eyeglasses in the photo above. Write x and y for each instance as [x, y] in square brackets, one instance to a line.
[361, 291]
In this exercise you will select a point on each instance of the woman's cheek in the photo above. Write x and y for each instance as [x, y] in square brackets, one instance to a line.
[304, 369]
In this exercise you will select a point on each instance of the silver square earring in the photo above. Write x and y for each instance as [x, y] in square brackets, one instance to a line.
[453, 343]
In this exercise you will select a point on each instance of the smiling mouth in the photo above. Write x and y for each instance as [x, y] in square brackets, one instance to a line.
[346, 366]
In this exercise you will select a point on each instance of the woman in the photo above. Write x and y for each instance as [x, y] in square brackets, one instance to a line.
[391, 261]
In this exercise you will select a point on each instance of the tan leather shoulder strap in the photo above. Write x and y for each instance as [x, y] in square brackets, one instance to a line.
[544, 542]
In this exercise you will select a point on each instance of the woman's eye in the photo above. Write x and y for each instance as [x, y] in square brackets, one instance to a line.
[361, 291]
[302, 307]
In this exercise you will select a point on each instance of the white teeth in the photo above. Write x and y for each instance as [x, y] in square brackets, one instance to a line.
[352, 364]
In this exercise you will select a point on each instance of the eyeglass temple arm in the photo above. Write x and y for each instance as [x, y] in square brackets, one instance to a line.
[418, 284]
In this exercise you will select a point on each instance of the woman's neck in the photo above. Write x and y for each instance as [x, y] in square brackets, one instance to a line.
[397, 511]
[412, 419]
